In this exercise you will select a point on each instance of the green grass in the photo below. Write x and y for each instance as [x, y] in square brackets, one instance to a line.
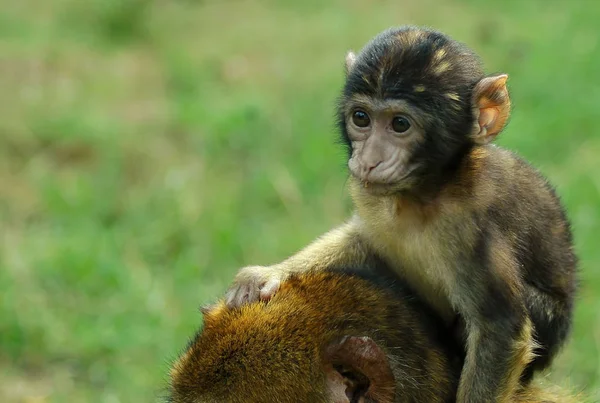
[148, 149]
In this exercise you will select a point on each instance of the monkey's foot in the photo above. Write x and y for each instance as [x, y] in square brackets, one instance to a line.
[253, 283]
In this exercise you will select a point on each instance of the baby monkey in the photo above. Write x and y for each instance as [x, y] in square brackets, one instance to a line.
[475, 230]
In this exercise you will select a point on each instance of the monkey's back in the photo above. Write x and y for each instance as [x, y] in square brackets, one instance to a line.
[527, 211]
[526, 214]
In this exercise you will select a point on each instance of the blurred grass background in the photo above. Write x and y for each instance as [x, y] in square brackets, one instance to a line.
[148, 149]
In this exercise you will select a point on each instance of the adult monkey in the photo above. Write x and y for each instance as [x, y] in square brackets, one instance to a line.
[326, 337]
[475, 230]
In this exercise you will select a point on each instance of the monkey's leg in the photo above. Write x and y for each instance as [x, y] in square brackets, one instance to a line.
[497, 355]
[341, 246]
[500, 341]
[552, 317]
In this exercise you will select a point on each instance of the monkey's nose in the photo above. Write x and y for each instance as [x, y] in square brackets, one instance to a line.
[368, 167]
[374, 166]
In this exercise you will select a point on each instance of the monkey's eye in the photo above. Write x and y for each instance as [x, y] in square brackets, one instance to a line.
[360, 118]
[400, 124]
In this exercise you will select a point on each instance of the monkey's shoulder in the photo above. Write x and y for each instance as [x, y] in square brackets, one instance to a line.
[492, 174]
[504, 167]
[507, 195]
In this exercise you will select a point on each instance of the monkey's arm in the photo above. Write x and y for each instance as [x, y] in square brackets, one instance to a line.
[500, 340]
[341, 246]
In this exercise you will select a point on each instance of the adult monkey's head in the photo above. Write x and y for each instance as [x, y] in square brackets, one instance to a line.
[327, 337]
[413, 103]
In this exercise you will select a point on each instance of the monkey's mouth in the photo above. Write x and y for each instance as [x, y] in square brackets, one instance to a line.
[388, 185]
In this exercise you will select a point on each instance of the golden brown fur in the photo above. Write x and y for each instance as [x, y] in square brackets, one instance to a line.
[275, 348]
[274, 352]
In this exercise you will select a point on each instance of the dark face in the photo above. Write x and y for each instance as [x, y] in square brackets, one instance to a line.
[406, 111]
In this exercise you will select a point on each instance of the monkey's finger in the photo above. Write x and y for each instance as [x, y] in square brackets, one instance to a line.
[230, 295]
[269, 289]
[236, 296]
[246, 294]
[240, 296]
[252, 292]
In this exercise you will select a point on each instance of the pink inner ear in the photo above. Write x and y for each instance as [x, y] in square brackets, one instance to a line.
[336, 385]
[487, 119]
[493, 103]
[365, 357]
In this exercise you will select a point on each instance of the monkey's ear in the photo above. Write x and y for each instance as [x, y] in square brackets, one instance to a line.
[491, 107]
[357, 367]
[350, 59]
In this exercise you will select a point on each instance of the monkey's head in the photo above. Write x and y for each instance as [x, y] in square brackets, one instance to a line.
[288, 350]
[413, 103]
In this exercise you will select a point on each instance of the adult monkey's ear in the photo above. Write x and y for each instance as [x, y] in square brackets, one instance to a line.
[350, 60]
[357, 368]
[491, 108]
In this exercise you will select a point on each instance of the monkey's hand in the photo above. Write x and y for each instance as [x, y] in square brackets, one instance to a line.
[253, 283]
